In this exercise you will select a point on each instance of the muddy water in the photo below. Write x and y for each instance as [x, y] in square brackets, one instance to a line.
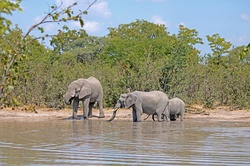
[96, 142]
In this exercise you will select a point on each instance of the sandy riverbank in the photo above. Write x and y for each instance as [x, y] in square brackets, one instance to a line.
[219, 114]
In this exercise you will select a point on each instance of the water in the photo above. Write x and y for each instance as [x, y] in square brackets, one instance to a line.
[97, 142]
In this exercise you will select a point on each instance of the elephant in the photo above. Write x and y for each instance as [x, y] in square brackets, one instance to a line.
[119, 104]
[153, 102]
[172, 117]
[176, 108]
[88, 91]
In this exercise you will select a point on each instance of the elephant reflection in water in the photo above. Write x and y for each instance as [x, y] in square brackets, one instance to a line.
[88, 91]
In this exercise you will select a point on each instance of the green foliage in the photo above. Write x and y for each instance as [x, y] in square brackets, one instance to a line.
[11, 57]
[14, 46]
[136, 49]
[64, 37]
[244, 52]
[135, 56]
[6, 7]
[219, 46]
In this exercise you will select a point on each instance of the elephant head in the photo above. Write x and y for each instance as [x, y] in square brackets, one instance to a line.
[78, 88]
[119, 104]
[130, 100]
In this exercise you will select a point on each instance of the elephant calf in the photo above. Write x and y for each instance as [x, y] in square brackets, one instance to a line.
[176, 108]
[88, 91]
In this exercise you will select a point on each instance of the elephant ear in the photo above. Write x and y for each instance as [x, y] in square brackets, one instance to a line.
[83, 88]
[132, 97]
[123, 95]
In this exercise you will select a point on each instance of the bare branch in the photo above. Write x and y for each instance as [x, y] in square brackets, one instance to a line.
[45, 19]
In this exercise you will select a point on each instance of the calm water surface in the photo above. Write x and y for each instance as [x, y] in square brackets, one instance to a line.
[97, 142]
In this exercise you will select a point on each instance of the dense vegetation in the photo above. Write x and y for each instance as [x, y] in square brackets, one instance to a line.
[135, 56]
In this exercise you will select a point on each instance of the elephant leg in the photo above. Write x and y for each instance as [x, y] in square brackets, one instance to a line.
[90, 114]
[159, 116]
[153, 117]
[91, 105]
[138, 115]
[167, 114]
[85, 104]
[159, 111]
[162, 116]
[75, 108]
[134, 115]
[181, 117]
[101, 112]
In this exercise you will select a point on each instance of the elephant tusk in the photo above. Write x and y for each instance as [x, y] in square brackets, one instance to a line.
[113, 116]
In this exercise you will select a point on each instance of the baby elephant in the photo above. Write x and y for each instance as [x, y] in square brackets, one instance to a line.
[176, 108]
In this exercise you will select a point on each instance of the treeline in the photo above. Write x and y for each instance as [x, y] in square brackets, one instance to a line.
[135, 56]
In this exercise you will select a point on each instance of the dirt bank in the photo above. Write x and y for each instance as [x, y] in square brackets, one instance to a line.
[194, 113]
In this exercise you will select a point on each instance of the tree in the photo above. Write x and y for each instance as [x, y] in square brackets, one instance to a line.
[6, 7]
[137, 49]
[64, 37]
[219, 46]
[245, 51]
[14, 54]
[183, 56]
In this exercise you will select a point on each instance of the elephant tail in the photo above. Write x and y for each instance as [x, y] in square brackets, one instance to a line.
[146, 117]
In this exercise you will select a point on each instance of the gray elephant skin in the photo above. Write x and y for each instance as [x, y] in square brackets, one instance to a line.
[88, 91]
[120, 101]
[154, 102]
[176, 108]
[119, 104]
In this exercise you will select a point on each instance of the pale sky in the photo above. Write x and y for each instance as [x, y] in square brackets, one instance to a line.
[229, 18]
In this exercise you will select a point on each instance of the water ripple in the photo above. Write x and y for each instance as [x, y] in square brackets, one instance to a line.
[124, 143]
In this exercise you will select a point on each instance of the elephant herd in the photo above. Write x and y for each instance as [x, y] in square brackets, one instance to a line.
[89, 91]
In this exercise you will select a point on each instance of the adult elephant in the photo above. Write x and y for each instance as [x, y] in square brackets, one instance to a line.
[154, 102]
[176, 109]
[88, 91]
[119, 104]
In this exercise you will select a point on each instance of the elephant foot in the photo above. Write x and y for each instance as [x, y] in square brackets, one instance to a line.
[74, 115]
[93, 116]
[85, 118]
[101, 116]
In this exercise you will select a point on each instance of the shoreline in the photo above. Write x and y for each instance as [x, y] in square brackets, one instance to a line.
[43, 114]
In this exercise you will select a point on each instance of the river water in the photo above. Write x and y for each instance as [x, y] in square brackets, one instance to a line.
[97, 142]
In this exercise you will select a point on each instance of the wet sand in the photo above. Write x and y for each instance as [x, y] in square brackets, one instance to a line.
[194, 113]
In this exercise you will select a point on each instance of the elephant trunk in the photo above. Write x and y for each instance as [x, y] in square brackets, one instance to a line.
[113, 116]
[68, 99]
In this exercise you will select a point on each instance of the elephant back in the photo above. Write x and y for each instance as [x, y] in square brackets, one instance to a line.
[96, 86]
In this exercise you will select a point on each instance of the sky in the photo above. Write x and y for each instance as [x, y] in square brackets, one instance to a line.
[229, 18]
